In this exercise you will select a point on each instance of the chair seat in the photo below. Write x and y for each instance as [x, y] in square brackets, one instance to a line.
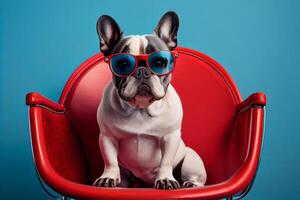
[222, 128]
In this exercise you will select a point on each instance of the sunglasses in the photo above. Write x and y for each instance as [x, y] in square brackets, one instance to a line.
[158, 62]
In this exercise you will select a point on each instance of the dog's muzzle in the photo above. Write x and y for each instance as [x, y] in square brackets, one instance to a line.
[143, 74]
[144, 90]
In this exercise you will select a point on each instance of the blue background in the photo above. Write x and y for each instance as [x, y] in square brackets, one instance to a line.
[42, 43]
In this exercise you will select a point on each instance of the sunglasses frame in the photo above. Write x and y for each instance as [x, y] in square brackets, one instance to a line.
[139, 57]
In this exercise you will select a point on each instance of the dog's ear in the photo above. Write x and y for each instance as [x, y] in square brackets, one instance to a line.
[109, 33]
[167, 28]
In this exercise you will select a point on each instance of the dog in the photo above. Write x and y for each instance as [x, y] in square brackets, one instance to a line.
[140, 114]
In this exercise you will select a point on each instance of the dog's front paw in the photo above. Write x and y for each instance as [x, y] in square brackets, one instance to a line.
[166, 184]
[165, 179]
[192, 183]
[109, 178]
[105, 182]
[188, 184]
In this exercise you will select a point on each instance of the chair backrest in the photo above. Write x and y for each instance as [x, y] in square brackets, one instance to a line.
[209, 98]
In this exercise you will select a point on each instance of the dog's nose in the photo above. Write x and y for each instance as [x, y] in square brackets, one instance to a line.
[142, 73]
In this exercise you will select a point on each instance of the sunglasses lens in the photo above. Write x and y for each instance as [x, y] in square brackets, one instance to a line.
[161, 62]
[122, 64]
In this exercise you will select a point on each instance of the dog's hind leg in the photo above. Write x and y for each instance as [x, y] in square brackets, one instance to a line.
[192, 171]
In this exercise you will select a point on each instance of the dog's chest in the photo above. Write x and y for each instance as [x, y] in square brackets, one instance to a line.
[140, 123]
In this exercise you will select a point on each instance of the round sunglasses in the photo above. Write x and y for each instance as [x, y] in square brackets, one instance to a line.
[158, 62]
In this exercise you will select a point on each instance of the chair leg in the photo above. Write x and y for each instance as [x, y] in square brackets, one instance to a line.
[65, 198]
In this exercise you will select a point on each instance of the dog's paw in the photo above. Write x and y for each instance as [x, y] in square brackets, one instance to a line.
[166, 184]
[105, 182]
[189, 184]
[109, 178]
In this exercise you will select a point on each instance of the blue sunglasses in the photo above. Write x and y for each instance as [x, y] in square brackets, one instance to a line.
[125, 64]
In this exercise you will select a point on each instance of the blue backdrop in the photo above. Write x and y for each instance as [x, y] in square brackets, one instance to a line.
[258, 42]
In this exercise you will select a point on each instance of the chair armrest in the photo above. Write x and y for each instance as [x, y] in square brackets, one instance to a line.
[256, 99]
[57, 150]
[33, 99]
[250, 122]
[253, 119]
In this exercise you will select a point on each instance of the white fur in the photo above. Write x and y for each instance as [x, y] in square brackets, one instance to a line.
[131, 87]
[157, 88]
[135, 42]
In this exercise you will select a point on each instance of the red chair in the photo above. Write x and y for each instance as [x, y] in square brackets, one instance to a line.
[224, 129]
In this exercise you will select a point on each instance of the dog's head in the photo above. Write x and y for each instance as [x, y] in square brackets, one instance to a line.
[142, 87]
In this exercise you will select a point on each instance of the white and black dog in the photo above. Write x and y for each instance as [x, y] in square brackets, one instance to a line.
[140, 116]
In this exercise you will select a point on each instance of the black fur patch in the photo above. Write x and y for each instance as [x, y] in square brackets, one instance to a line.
[121, 46]
[155, 44]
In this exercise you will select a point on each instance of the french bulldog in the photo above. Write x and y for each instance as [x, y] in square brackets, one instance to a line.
[140, 116]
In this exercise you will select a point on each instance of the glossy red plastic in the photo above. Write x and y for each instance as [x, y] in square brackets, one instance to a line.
[225, 131]
[34, 98]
